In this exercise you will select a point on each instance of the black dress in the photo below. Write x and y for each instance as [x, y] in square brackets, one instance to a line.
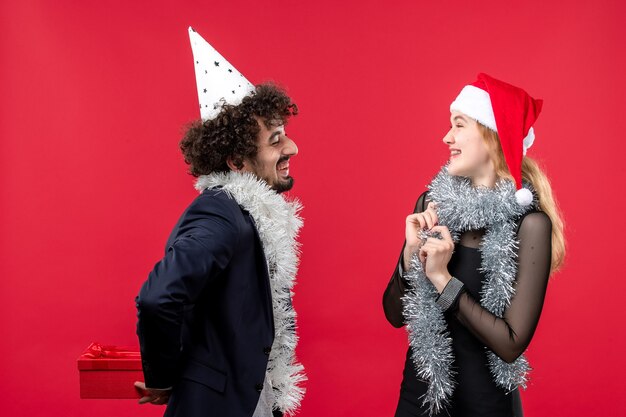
[473, 329]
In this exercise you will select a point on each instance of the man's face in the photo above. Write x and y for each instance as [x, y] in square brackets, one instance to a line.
[272, 159]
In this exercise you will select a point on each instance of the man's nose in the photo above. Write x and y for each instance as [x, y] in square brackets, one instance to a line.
[290, 148]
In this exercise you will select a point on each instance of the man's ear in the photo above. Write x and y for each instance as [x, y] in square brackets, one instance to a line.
[231, 164]
[233, 167]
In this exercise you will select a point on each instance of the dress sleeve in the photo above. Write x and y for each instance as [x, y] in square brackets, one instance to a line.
[392, 298]
[510, 335]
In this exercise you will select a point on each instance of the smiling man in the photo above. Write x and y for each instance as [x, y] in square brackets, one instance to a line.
[215, 320]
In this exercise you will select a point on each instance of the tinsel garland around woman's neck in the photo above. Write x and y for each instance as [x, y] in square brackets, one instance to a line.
[462, 207]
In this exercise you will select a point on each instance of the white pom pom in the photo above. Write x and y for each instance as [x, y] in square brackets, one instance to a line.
[524, 197]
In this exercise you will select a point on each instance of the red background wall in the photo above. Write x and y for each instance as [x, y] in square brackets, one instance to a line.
[94, 97]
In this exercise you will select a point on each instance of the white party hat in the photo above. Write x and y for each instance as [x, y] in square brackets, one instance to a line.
[216, 79]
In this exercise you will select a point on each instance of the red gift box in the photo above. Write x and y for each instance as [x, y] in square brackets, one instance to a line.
[109, 372]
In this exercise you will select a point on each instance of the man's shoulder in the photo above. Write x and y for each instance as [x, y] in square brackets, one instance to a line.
[215, 201]
[215, 196]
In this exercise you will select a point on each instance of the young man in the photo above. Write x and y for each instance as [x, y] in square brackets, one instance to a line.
[215, 320]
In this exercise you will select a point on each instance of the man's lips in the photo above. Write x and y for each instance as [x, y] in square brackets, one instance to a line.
[282, 165]
[283, 168]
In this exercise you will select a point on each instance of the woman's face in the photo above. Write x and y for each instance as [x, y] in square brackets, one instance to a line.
[469, 155]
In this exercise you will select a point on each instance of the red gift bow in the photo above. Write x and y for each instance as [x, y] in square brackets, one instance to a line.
[96, 350]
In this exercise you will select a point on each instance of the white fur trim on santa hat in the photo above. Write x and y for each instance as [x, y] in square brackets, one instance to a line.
[529, 140]
[475, 103]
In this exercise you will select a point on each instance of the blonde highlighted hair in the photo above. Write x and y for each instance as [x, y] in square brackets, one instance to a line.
[532, 173]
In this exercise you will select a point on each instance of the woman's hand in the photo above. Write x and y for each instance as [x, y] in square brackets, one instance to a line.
[435, 254]
[415, 224]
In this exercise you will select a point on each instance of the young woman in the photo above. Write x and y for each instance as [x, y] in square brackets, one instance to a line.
[472, 275]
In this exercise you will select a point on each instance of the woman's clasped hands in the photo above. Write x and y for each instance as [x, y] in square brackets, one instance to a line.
[432, 243]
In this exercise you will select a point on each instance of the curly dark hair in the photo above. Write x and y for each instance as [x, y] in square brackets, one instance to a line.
[233, 133]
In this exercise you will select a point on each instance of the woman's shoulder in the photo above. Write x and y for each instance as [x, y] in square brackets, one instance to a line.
[422, 202]
[534, 221]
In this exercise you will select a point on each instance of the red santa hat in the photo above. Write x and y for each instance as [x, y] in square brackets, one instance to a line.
[507, 110]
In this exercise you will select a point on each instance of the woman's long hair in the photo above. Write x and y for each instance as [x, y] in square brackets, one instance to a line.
[532, 173]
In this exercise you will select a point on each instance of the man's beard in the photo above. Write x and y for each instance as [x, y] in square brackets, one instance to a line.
[287, 184]
[279, 185]
[282, 186]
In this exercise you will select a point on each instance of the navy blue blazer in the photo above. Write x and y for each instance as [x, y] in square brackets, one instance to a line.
[205, 321]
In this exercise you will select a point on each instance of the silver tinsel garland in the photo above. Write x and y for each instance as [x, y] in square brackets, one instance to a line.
[462, 207]
[278, 222]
